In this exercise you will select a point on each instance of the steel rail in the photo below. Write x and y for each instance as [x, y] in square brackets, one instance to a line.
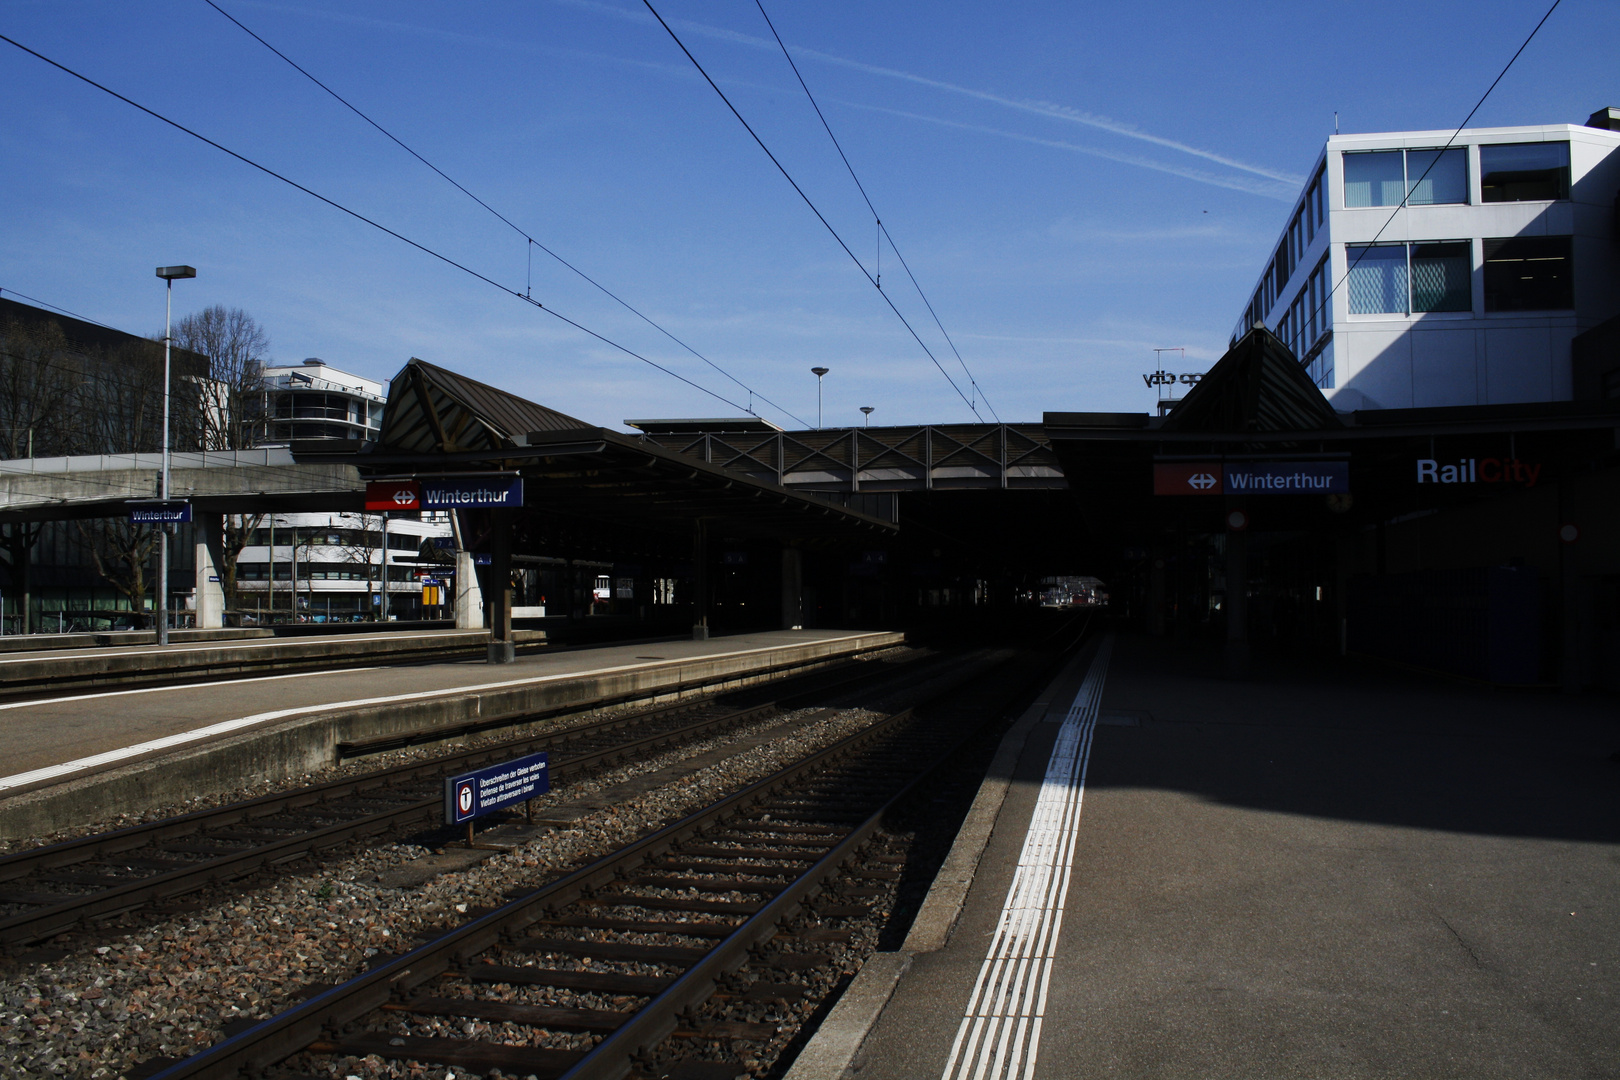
[318, 1023]
[30, 926]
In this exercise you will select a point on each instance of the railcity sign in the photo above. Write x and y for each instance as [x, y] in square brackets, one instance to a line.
[1251, 477]
[1487, 470]
[495, 787]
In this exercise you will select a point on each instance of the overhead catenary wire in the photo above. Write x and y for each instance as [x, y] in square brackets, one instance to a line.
[530, 242]
[1411, 187]
[808, 202]
[369, 221]
[883, 230]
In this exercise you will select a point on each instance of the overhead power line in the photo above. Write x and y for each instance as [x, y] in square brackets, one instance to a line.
[883, 229]
[807, 201]
[1407, 195]
[346, 103]
[374, 224]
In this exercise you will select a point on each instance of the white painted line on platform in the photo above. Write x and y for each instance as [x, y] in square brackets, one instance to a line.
[183, 686]
[66, 768]
[1001, 1028]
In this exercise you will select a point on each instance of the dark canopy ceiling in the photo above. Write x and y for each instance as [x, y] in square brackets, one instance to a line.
[586, 488]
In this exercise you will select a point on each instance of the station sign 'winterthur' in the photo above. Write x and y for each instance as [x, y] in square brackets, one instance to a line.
[445, 493]
[1251, 477]
[494, 787]
[159, 512]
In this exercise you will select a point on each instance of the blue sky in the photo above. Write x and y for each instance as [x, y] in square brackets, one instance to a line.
[1073, 184]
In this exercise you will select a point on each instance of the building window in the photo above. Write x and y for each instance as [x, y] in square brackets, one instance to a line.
[1529, 273]
[1397, 279]
[1377, 279]
[1524, 172]
[1437, 176]
[1440, 276]
[1421, 177]
[1376, 179]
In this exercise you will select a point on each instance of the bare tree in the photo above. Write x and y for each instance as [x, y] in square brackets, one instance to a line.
[235, 345]
[39, 378]
[228, 400]
[122, 552]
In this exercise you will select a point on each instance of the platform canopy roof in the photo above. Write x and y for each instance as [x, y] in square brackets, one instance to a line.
[586, 486]
[1257, 403]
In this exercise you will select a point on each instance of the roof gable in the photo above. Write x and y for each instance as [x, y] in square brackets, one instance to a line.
[1257, 386]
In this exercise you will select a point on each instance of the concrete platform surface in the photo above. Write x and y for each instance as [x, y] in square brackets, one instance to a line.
[216, 735]
[1332, 871]
[132, 663]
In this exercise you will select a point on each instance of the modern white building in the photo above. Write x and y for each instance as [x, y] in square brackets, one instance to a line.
[320, 567]
[314, 400]
[1424, 268]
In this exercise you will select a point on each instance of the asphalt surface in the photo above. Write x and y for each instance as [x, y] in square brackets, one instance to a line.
[78, 724]
[1335, 871]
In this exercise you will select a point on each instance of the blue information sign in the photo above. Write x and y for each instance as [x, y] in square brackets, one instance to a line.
[159, 513]
[495, 787]
[1287, 477]
[459, 492]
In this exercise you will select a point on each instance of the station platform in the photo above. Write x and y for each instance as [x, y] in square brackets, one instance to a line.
[1337, 870]
[59, 662]
[86, 756]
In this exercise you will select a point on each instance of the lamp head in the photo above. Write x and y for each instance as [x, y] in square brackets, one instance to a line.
[170, 273]
[818, 372]
[867, 409]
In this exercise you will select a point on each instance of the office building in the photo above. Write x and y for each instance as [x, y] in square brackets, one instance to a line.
[1433, 268]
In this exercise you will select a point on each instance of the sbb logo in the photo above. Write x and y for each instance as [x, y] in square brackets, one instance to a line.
[393, 495]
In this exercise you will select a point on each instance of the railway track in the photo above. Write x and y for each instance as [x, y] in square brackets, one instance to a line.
[668, 958]
[47, 890]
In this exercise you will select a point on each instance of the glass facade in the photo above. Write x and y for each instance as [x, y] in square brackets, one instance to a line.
[1417, 177]
[1401, 279]
[1529, 273]
[1524, 172]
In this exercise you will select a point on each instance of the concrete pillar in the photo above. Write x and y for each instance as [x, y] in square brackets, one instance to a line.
[1237, 598]
[469, 597]
[1156, 597]
[500, 588]
[209, 530]
[700, 580]
[1571, 650]
[792, 588]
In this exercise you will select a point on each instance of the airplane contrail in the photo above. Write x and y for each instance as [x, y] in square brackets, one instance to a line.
[1269, 189]
[1047, 109]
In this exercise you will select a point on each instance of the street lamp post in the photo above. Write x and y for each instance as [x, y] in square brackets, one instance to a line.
[168, 274]
[818, 372]
[867, 409]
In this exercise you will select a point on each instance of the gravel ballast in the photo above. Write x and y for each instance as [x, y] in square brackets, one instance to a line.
[173, 986]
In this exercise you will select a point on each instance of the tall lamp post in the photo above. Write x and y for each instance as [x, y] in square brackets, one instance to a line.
[818, 372]
[867, 409]
[168, 274]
